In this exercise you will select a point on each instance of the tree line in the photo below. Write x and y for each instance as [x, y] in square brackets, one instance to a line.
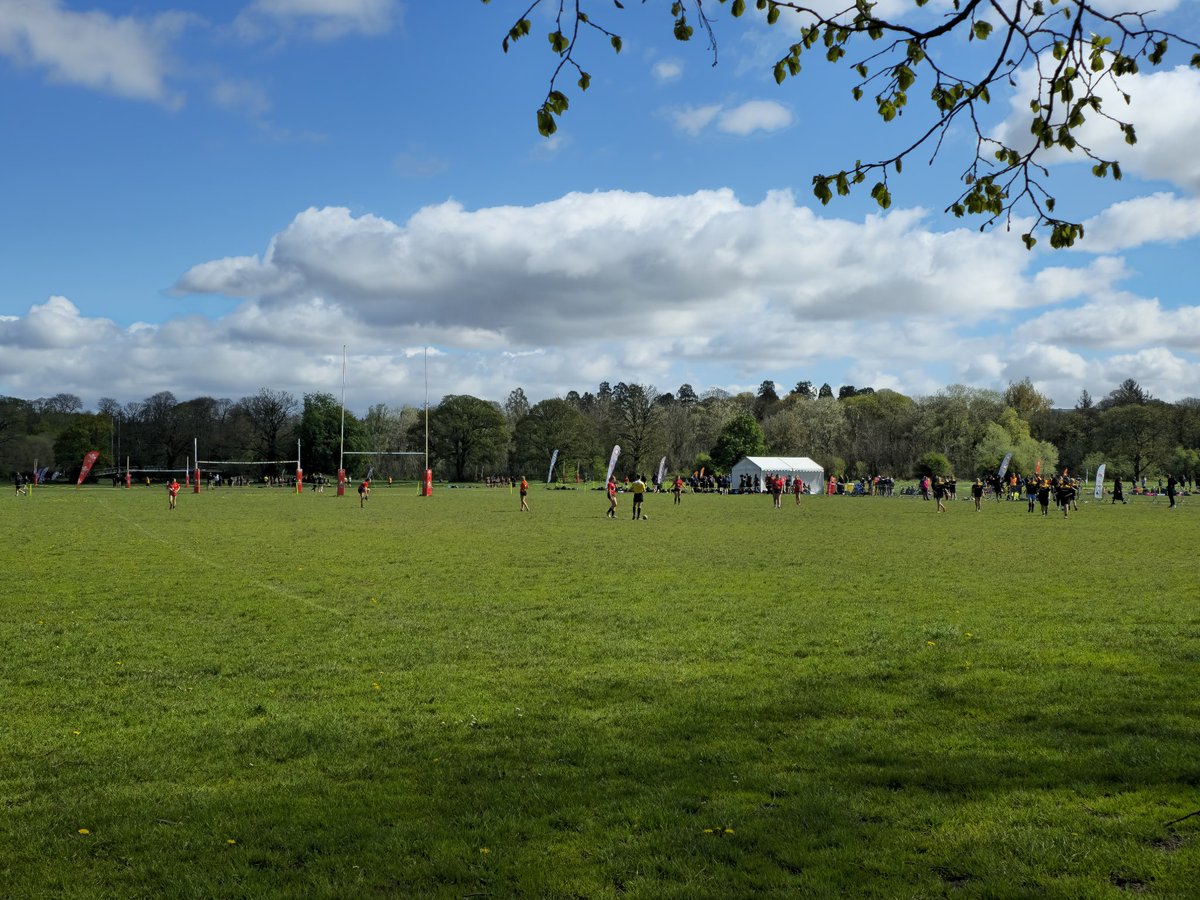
[852, 432]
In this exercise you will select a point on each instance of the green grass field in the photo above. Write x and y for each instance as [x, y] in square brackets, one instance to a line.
[268, 695]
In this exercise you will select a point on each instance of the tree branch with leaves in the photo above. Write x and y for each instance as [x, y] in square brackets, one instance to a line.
[1074, 48]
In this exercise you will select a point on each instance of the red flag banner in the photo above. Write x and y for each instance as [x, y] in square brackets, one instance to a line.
[88, 462]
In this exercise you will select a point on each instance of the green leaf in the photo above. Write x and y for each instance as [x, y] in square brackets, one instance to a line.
[738, 8]
[558, 41]
[1029, 240]
[585, 81]
[545, 123]
[780, 72]
[615, 40]
[981, 30]
[773, 14]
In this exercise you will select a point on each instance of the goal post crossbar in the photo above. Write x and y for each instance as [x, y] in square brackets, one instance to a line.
[243, 462]
[383, 453]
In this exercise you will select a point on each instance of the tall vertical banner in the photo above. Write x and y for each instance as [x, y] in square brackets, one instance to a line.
[612, 462]
[1037, 470]
[1100, 481]
[1004, 465]
[88, 461]
[553, 461]
[662, 470]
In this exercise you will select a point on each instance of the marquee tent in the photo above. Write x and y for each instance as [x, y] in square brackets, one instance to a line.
[800, 467]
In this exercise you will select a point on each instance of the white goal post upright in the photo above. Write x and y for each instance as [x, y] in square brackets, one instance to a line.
[341, 485]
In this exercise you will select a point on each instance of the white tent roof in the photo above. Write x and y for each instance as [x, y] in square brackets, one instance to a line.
[782, 464]
[809, 471]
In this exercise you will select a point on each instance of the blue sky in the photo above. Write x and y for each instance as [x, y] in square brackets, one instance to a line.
[210, 198]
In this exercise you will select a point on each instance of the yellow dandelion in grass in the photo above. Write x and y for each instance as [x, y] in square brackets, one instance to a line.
[84, 832]
[708, 831]
[230, 841]
[484, 850]
[931, 643]
[76, 732]
[729, 831]
[375, 685]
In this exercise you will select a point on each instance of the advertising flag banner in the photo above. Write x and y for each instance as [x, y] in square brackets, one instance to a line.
[1004, 465]
[662, 470]
[1037, 470]
[553, 460]
[612, 461]
[1100, 481]
[88, 462]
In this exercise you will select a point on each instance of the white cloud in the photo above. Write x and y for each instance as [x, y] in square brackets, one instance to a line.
[126, 56]
[322, 20]
[246, 97]
[755, 115]
[616, 285]
[667, 70]
[744, 119]
[1159, 218]
[694, 119]
[53, 325]
[1123, 321]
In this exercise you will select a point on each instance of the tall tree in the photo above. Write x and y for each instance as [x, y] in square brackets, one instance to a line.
[1027, 400]
[86, 432]
[166, 433]
[551, 425]
[636, 417]
[466, 433]
[321, 433]
[270, 414]
[880, 429]
[1127, 393]
[741, 436]
[766, 401]
[516, 407]
[804, 390]
[1136, 433]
